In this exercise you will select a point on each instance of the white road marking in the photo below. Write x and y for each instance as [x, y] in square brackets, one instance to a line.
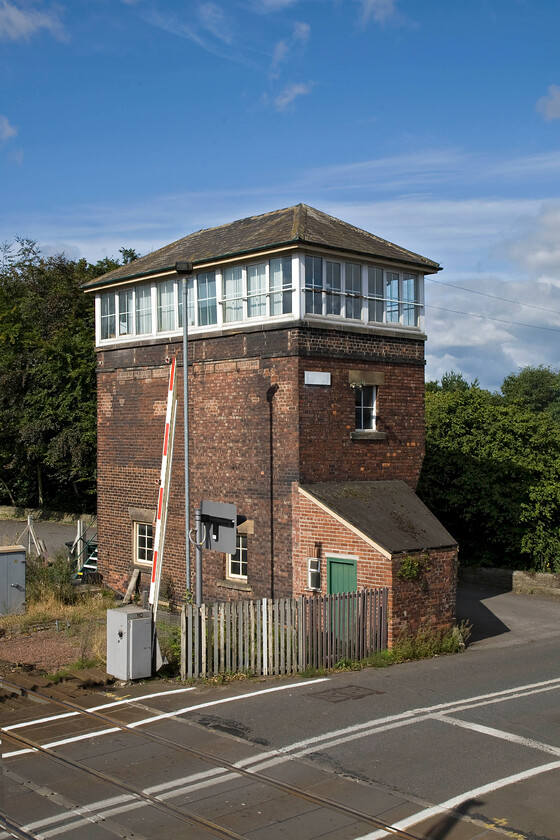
[450, 804]
[96, 708]
[349, 733]
[500, 733]
[164, 716]
[179, 787]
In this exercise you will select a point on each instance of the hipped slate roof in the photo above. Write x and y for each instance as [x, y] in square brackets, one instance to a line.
[389, 513]
[294, 225]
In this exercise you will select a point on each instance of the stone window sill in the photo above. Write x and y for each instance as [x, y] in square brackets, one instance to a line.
[235, 584]
[368, 434]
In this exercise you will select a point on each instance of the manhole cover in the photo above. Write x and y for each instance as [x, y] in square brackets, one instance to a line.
[346, 692]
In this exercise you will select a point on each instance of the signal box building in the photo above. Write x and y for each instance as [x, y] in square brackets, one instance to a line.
[306, 410]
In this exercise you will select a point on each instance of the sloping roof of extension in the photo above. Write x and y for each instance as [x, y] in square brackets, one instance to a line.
[388, 513]
[291, 226]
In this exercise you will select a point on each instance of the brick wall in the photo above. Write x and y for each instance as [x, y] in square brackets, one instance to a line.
[429, 602]
[327, 418]
[249, 441]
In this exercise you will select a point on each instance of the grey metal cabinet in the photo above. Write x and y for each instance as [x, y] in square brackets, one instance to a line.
[12, 579]
[129, 643]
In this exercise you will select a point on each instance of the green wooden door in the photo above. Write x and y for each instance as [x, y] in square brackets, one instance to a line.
[342, 575]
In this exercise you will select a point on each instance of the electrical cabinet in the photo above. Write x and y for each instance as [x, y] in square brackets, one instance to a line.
[12, 579]
[129, 643]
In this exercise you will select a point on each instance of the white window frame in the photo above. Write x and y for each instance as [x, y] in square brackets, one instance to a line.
[169, 310]
[127, 292]
[284, 293]
[241, 550]
[146, 313]
[259, 297]
[234, 304]
[362, 406]
[215, 298]
[109, 317]
[143, 548]
[390, 296]
[351, 295]
[314, 568]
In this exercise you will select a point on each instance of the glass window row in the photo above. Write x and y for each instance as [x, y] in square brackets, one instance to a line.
[260, 290]
[254, 291]
[362, 292]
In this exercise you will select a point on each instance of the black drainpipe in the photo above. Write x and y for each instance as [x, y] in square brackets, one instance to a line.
[270, 396]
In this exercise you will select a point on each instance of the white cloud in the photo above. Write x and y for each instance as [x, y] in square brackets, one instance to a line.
[279, 55]
[536, 246]
[19, 24]
[272, 5]
[291, 93]
[213, 18]
[7, 131]
[283, 48]
[378, 10]
[209, 28]
[549, 106]
[301, 32]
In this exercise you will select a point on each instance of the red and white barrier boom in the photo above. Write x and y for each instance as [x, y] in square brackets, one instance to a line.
[164, 483]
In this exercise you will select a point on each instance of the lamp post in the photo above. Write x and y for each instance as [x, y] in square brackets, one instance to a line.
[184, 270]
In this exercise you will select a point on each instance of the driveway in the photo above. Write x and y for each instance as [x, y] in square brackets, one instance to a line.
[501, 618]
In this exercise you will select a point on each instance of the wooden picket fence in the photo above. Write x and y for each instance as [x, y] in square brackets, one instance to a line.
[282, 635]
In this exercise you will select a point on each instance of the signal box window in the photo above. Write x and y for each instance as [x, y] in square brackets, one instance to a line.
[366, 407]
[237, 563]
[143, 543]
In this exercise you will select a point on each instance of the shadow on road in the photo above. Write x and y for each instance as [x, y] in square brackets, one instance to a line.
[472, 606]
[442, 829]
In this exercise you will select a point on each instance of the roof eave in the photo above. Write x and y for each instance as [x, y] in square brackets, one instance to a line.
[107, 280]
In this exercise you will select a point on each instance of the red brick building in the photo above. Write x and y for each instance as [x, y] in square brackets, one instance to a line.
[306, 409]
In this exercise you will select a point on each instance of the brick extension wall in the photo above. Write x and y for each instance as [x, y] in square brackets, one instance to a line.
[428, 603]
[239, 431]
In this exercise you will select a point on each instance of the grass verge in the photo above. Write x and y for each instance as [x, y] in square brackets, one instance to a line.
[408, 647]
[54, 601]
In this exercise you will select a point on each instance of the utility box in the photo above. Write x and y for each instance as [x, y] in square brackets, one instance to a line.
[12, 579]
[129, 643]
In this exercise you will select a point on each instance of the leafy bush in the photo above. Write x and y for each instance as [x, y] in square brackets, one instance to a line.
[50, 580]
[413, 567]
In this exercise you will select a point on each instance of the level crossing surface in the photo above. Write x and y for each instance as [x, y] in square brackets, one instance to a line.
[456, 747]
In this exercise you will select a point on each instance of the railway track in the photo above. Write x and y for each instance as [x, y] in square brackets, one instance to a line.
[211, 770]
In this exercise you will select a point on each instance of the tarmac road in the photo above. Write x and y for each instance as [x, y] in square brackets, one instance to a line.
[53, 534]
[458, 747]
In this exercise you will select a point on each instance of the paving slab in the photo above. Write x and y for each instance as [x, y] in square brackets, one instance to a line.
[306, 826]
[269, 813]
[361, 796]
[234, 798]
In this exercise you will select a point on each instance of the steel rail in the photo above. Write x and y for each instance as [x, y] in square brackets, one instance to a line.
[285, 787]
[125, 787]
[15, 829]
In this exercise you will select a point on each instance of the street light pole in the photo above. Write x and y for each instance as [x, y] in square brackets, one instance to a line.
[184, 270]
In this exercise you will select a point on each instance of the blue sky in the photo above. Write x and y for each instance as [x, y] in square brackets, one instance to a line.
[432, 123]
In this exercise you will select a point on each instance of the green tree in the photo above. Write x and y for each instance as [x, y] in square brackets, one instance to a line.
[128, 255]
[491, 475]
[450, 381]
[47, 379]
[535, 388]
